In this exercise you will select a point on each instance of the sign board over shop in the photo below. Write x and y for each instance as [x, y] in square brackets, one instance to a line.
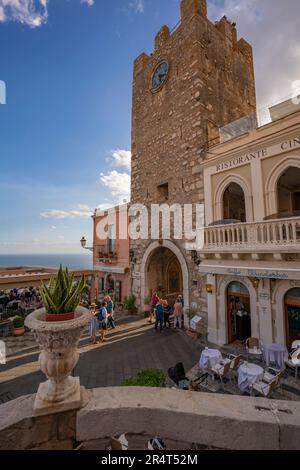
[244, 271]
[259, 154]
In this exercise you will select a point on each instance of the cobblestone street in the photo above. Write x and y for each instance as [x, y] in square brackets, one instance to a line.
[130, 348]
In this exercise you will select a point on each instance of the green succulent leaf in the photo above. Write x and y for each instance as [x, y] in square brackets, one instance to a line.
[61, 296]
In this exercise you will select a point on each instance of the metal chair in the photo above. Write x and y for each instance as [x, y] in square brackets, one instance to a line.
[221, 370]
[294, 362]
[296, 344]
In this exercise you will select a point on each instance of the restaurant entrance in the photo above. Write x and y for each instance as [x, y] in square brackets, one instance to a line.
[238, 312]
[292, 315]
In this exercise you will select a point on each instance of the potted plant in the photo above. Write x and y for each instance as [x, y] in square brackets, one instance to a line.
[61, 297]
[58, 340]
[18, 323]
[129, 304]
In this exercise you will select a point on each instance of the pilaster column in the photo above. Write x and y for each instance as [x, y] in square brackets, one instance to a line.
[212, 310]
[265, 312]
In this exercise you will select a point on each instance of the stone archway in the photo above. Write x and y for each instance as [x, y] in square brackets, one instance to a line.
[278, 302]
[177, 256]
[222, 307]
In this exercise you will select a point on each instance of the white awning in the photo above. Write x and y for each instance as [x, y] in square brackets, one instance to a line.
[260, 269]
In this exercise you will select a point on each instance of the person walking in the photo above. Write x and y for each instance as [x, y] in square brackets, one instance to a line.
[167, 312]
[102, 318]
[94, 324]
[154, 301]
[110, 312]
[178, 314]
[159, 315]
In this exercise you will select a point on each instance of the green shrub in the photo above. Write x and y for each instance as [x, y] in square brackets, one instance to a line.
[61, 295]
[129, 304]
[18, 322]
[146, 378]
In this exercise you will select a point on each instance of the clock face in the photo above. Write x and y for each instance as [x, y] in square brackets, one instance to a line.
[160, 75]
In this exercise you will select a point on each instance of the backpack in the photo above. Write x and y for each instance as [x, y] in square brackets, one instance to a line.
[101, 315]
[177, 373]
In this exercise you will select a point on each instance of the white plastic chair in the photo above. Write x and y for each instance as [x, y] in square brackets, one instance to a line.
[296, 344]
[294, 362]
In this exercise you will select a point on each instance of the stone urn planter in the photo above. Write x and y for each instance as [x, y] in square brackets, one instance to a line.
[59, 355]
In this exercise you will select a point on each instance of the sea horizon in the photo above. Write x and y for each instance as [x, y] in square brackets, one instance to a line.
[53, 260]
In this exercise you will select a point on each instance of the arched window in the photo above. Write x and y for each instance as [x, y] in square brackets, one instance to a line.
[288, 193]
[234, 207]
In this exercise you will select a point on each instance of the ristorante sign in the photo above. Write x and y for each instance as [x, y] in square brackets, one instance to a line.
[277, 149]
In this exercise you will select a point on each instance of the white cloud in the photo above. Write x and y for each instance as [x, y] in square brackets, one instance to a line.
[63, 214]
[33, 13]
[90, 3]
[118, 183]
[272, 27]
[53, 227]
[30, 12]
[137, 6]
[121, 158]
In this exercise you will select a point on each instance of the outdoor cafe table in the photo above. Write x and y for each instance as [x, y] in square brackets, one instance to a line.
[248, 374]
[209, 358]
[276, 353]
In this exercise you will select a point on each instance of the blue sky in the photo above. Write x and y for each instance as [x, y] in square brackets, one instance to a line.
[66, 123]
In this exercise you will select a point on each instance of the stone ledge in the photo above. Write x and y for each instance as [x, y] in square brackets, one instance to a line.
[208, 420]
[211, 420]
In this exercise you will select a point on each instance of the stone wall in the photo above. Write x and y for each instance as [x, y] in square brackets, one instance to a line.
[208, 420]
[210, 84]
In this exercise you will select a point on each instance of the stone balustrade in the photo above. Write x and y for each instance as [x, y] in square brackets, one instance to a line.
[268, 236]
[181, 418]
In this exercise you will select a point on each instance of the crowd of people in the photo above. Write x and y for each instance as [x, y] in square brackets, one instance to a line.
[161, 312]
[102, 319]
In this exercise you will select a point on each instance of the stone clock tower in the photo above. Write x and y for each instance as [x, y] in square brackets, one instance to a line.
[199, 78]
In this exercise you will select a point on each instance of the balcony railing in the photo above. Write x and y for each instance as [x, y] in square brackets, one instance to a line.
[268, 236]
[107, 254]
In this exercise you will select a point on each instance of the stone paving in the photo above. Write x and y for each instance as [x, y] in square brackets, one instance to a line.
[132, 346]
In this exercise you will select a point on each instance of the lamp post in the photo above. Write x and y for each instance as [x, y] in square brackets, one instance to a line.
[83, 244]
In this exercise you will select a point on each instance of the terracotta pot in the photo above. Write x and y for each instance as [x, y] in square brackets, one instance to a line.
[60, 316]
[19, 331]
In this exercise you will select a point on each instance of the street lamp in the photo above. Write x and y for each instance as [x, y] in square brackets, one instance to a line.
[83, 244]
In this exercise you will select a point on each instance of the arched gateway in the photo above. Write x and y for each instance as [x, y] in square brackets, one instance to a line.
[164, 269]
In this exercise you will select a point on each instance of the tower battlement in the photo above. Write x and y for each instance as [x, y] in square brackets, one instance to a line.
[194, 20]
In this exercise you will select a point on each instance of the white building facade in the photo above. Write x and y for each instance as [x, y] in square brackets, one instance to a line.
[251, 255]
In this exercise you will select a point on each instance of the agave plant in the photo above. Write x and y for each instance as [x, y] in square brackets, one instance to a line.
[61, 296]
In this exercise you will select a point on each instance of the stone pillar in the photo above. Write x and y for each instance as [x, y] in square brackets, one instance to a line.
[212, 310]
[257, 191]
[265, 311]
